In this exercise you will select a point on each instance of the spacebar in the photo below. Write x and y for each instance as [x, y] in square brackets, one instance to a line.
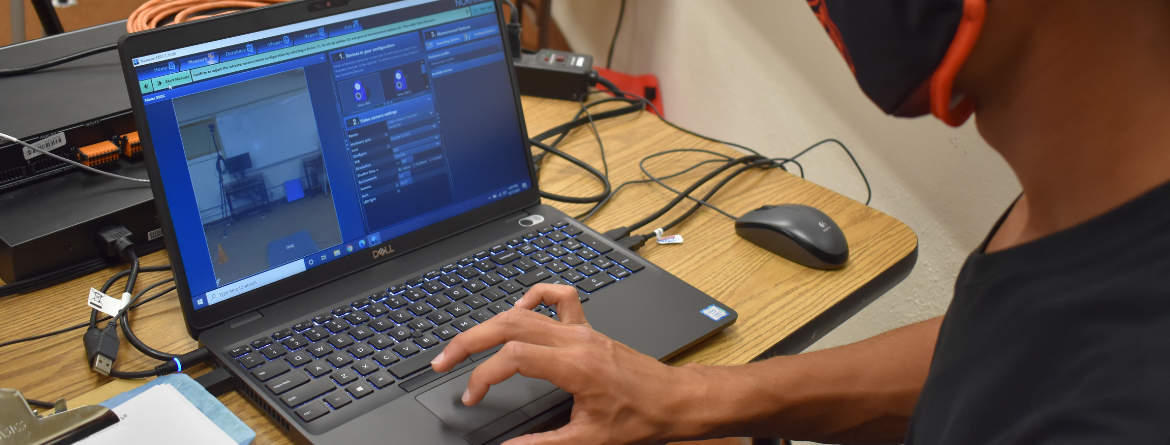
[416, 363]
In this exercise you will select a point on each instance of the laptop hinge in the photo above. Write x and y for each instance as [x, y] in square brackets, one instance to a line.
[244, 319]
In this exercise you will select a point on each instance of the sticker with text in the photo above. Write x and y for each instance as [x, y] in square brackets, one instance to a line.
[714, 312]
[105, 303]
[48, 143]
[673, 239]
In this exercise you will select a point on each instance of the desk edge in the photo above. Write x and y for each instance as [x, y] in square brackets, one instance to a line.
[845, 309]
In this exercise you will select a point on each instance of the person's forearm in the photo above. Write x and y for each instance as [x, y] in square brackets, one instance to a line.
[859, 393]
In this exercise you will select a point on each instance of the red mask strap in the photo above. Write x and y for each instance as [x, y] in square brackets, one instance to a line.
[942, 101]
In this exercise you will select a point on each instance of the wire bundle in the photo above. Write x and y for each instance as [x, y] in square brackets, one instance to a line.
[722, 161]
[154, 12]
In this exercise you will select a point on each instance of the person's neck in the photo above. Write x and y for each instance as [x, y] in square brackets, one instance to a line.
[1082, 118]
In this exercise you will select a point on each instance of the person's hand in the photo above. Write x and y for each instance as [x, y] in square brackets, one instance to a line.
[620, 395]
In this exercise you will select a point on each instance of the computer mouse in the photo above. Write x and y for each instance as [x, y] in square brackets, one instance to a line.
[798, 233]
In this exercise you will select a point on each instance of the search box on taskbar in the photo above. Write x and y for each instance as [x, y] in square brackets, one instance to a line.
[256, 281]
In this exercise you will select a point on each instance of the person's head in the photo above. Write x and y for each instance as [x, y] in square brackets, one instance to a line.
[954, 57]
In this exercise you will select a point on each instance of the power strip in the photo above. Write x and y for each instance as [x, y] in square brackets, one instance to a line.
[555, 74]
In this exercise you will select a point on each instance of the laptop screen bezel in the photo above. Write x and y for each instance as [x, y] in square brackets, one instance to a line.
[260, 19]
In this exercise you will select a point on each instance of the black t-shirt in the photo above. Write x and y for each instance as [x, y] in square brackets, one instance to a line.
[1063, 340]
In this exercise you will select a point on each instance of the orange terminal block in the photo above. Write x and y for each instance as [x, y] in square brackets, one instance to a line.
[99, 153]
[131, 144]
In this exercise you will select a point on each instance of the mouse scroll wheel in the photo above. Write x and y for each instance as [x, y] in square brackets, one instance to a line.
[767, 207]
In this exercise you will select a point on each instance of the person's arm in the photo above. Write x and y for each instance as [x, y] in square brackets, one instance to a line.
[863, 392]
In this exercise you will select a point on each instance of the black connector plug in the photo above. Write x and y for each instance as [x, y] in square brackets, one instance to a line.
[633, 242]
[114, 241]
[218, 382]
[101, 348]
[617, 234]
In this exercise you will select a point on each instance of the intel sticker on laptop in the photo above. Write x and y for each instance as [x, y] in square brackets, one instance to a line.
[714, 312]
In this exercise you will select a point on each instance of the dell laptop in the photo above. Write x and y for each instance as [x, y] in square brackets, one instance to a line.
[344, 187]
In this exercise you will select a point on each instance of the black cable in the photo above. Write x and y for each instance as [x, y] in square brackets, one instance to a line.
[8, 72]
[617, 30]
[725, 159]
[515, 18]
[93, 314]
[589, 168]
[868, 190]
[561, 131]
[130, 279]
[40, 404]
[596, 134]
[765, 163]
[124, 323]
[83, 325]
[608, 84]
[614, 90]
[586, 216]
[691, 189]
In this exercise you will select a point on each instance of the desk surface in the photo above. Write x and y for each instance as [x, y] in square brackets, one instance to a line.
[775, 298]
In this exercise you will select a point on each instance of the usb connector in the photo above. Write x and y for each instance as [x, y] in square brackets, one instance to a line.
[101, 348]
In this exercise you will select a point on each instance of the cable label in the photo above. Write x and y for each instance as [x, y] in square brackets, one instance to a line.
[48, 143]
[105, 303]
[673, 239]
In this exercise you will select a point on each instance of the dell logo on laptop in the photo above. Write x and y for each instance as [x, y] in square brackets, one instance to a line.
[385, 250]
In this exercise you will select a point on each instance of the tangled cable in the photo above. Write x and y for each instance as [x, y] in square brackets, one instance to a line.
[153, 12]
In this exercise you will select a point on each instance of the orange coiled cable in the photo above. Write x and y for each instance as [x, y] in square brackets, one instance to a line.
[153, 12]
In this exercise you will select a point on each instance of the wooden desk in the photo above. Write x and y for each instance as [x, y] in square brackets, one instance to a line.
[783, 307]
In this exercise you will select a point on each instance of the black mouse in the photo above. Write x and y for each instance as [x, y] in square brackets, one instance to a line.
[798, 233]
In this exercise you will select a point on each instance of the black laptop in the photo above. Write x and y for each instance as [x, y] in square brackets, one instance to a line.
[345, 186]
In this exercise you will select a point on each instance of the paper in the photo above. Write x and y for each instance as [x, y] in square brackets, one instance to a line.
[160, 415]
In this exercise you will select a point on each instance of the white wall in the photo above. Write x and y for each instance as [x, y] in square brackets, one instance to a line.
[762, 73]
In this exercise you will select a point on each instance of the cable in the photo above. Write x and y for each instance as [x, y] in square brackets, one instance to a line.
[617, 30]
[765, 163]
[868, 190]
[676, 127]
[515, 17]
[613, 89]
[725, 159]
[9, 72]
[562, 130]
[689, 190]
[40, 404]
[124, 323]
[93, 318]
[83, 166]
[589, 168]
[586, 216]
[596, 134]
[153, 12]
[82, 325]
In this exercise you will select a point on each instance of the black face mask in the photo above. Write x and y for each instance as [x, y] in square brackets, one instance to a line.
[905, 54]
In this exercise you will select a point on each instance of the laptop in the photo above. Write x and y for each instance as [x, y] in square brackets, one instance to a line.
[344, 186]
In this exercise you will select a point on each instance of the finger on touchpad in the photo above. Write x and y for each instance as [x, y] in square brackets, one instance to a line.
[446, 401]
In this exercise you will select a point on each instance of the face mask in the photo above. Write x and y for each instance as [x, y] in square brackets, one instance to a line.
[905, 54]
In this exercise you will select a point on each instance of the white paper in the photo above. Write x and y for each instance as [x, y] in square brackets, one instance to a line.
[160, 415]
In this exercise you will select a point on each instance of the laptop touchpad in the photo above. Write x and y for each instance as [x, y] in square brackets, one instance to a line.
[445, 401]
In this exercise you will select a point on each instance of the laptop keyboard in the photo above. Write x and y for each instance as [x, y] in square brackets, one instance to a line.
[386, 341]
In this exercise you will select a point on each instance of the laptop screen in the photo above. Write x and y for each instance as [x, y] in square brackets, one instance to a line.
[286, 149]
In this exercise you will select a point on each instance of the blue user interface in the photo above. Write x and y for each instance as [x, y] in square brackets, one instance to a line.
[287, 149]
